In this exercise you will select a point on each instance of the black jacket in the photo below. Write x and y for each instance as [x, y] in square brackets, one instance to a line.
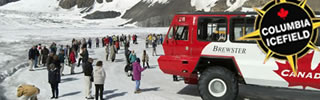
[49, 61]
[57, 64]
[33, 53]
[54, 76]
[45, 51]
[88, 69]
[85, 56]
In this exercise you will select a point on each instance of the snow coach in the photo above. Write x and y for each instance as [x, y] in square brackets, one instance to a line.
[205, 48]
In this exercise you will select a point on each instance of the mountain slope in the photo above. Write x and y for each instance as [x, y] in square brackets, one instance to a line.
[99, 13]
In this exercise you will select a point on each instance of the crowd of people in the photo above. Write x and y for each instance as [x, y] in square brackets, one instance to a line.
[154, 40]
[56, 57]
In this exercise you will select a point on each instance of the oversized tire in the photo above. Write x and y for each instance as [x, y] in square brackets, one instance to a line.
[218, 83]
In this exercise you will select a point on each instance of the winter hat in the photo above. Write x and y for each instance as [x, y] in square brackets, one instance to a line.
[138, 59]
[99, 63]
[90, 60]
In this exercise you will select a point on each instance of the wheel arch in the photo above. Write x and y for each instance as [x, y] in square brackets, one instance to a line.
[228, 62]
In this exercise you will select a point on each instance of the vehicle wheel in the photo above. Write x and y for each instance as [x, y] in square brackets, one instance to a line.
[218, 83]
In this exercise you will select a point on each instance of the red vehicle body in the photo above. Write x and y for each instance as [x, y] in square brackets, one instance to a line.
[182, 56]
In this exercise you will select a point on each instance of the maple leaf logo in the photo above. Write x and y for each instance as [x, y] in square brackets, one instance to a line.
[305, 77]
[283, 13]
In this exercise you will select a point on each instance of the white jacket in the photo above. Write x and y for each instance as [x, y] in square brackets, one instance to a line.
[99, 75]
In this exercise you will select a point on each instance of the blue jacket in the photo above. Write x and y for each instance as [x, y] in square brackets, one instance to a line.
[61, 57]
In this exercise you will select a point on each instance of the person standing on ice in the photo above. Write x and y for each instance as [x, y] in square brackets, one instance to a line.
[72, 59]
[88, 78]
[61, 60]
[67, 51]
[99, 77]
[84, 42]
[106, 40]
[40, 56]
[50, 60]
[126, 52]
[97, 42]
[137, 70]
[53, 48]
[54, 79]
[132, 57]
[129, 38]
[44, 53]
[32, 58]
[161, 39]
[134, 39]
[90, 42]
[117, 46]
[80, 58]
[107, 51]
[110, 40]
[150, 39]
[112, 52]
[145, 59]
[57, 63]
[85, 56]
[147, 42]
[154, 47]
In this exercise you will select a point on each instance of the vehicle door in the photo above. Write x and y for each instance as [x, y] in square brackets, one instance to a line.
[169, 42]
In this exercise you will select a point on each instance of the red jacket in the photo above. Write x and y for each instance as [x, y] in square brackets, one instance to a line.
[106, 41]
[134, 37]
[72, 57]
[117, 44]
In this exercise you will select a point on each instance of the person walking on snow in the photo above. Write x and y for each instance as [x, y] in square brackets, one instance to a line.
[72, 59]
[99, 77]
[88, 78]
[54, 79]
[145, 59]
[137, 70]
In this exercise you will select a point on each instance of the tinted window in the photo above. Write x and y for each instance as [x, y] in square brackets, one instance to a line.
[170, 35]
[181, 33]
[212, 29]
[240, 27]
